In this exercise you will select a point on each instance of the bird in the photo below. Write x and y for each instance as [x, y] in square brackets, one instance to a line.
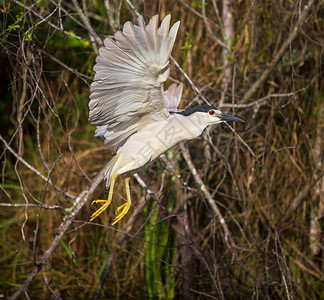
[132, 109]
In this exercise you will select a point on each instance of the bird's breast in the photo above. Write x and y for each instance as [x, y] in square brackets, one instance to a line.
[155, 138]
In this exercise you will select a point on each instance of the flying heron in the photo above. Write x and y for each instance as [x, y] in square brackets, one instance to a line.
[132, 110]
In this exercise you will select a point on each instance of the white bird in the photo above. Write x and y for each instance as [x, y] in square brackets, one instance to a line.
[130, 107]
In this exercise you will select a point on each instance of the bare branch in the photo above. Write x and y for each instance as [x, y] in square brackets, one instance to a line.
[261, 100]
[132, 7]
[93, 35]
[281, 51]
[215, 38]
[211, 201]
[46, 179]
[79, 202]
[53, 207]
[50, 23]
[196, 90]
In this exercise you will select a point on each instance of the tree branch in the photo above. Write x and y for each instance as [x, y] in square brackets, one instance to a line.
[49, 180]
[211, 201]
[80, 201]
[281, 51]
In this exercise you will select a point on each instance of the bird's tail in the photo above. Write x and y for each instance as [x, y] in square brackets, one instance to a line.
[110, 168]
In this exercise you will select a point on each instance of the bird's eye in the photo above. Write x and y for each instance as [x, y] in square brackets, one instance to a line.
[211, 112]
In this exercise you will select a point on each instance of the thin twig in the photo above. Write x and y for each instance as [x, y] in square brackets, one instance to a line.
[261, 100]
[78, 204]
[83, 77]
[93, 35]
[47, 179]
[242, 141]
[119, 241]
[216, 39]
[50, 23]
[281, 51]
[132, 7]
[211, 201]
[196, 90]
[56, 207]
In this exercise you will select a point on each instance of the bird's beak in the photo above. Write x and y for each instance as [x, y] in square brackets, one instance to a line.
[229, 118]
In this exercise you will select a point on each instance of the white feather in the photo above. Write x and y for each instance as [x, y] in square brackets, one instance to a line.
[127, 83]
[172, 96]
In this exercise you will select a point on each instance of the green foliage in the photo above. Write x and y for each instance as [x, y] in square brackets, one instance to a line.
[160, 252]
[13, 27]
[46, 76]
[199, 4]
[17, 23]
[69, 42]
[188, 44]
[186, 48]
[28, 36]
[68, 251]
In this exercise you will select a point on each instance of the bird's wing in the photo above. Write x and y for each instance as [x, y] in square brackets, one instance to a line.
[172, 96]
[130, 69]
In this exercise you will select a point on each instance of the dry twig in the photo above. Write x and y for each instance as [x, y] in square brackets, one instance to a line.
[79, 202]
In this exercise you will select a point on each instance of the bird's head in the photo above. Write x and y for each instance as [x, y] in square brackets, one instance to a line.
[208, 114]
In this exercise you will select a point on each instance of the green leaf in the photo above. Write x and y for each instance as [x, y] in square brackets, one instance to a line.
[13, 27]
[68, 251]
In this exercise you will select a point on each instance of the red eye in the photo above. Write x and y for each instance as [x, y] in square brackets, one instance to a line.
[211, 112]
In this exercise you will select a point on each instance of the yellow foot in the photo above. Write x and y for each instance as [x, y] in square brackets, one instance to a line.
[125, 207]
[106, 202]
[101, 209]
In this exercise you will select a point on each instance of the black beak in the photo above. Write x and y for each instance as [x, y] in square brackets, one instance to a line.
[229, 118]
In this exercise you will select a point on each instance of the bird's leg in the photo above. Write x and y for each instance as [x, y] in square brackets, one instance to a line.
[125, 207]
[108, 201]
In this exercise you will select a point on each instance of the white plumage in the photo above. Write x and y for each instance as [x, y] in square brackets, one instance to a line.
[129, 71]
[131, 108]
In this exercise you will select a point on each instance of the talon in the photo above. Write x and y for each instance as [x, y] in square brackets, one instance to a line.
[121, 210]
[120, 207]
[101, 209]
[125, 207]
[98, 201]
[106, 202]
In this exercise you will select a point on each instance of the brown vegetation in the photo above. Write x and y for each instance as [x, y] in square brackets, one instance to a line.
[235, 214]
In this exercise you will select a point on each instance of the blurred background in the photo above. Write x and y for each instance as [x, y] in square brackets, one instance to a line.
[234, 214]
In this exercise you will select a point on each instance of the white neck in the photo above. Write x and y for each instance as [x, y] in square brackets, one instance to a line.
[191, 126]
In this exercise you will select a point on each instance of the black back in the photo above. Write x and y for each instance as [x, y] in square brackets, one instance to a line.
[191, 110]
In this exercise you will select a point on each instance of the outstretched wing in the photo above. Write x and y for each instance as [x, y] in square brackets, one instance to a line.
[130, 69]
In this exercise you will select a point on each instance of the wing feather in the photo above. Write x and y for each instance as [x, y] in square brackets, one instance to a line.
[130, 69]
[172, 96]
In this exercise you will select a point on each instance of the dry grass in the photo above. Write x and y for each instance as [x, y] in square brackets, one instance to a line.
[268, 186]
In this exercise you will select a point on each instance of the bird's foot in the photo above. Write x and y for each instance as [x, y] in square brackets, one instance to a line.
[125, 207]
[106, 202]
[101, 209]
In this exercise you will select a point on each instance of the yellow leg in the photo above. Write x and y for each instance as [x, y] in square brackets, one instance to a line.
[106, 202]
[125, 207]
